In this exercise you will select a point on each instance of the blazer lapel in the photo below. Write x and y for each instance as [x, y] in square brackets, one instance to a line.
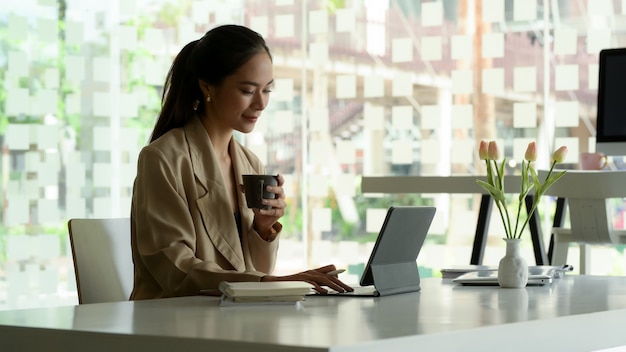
[217, 218]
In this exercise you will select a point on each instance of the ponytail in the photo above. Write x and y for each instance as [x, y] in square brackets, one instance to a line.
[180, 92]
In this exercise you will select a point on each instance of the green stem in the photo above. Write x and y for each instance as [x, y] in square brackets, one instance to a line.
[507, 230]
[524, 190]
[506, 219]
[538, 195]
[489, 173]
[530, 213]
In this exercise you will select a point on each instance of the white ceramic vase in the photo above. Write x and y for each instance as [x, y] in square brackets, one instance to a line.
[513, 269]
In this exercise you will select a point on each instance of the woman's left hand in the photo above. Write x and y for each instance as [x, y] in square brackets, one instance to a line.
[264, 219]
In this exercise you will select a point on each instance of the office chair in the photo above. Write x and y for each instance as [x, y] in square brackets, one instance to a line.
[102, 259]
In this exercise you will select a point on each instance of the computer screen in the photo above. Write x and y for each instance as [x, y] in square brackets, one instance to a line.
[611, 118]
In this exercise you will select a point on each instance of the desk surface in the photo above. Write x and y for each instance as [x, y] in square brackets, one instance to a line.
[432, 184]
[576, 313]
[574, 184]
[589, 184]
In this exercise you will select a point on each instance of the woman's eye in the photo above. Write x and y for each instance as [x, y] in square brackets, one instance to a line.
[251, 92]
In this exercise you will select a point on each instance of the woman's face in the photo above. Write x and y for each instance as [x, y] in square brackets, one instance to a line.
[238, 102]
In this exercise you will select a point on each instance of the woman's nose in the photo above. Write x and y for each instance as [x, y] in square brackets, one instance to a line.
[260, 100]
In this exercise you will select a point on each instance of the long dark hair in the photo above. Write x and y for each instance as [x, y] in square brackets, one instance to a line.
[212, 58]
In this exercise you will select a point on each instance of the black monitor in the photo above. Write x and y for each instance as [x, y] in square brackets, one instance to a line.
[611, 119]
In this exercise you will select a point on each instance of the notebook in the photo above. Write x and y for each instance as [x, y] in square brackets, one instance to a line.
[264, 289]
[490, 278]
[392, 265]
[263, 293]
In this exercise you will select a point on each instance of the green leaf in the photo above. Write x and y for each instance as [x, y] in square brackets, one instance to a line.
[524, 175]
[497, 194]
[551, 180]
[536, 182]
[501, 174]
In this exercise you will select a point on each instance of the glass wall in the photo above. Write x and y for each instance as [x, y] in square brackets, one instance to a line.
[363, 88]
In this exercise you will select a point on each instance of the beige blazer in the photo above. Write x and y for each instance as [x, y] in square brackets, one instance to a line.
[183, 233]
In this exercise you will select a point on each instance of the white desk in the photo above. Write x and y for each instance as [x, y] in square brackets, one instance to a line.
[577, 313]
[433, 184]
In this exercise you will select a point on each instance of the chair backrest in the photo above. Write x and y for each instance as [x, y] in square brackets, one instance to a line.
[102, 259]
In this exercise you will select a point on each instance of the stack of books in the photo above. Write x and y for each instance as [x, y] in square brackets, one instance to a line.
[263, 293]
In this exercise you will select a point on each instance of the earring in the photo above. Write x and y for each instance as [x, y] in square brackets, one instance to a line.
[208, 98]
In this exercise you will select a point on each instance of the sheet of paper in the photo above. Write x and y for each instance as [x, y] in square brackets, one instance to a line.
[566, 113]
[346, 86]
[432, 13]
[493, 45]
[525, 79]
[462, 151]
[284, 25]
[431, 48]
[318, 21]
[374, 219]
[493, 10]
[462, 116]
[462, 81]
[321, 219]
[402, 86]
[402, 117]
[346, 152]
[430, 117]
[461, 47]
[346, 20]
[374, 117]
[402, 152]
[430, 153]
[401, 50]
[524, 115]
[373, 86]
[566, 77]
[493, 81]
[524, 10]
[565, 41]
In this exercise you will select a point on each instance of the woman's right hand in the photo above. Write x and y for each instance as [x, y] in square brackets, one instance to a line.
[316, 277]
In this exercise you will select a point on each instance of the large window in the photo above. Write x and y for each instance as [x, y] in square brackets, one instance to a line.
[363, 88]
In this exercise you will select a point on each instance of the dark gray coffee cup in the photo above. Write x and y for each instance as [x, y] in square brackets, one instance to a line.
[255, 190]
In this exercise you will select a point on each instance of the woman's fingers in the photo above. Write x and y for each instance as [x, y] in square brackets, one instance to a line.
[329, 281]
[281, 180]
[316, 278]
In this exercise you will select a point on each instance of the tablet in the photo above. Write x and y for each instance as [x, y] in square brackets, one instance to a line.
[392, 265]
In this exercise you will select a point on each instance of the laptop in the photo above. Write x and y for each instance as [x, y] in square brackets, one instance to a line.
[392, 265]
[536, 277]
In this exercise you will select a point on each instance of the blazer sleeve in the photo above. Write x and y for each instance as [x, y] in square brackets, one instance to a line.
[263, 254]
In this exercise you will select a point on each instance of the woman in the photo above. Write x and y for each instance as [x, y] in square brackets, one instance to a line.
[190, 228]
